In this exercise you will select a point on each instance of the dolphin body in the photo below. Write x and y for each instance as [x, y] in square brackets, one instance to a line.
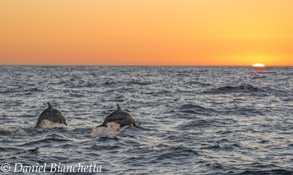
[51, 114]
[121, 117]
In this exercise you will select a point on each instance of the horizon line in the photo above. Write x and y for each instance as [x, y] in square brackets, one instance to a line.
[141, 65]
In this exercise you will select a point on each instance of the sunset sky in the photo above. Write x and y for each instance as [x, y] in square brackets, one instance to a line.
[146, 32]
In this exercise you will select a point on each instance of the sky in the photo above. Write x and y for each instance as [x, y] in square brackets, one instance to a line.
[146, 32]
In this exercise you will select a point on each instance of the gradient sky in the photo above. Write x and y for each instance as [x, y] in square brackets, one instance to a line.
[146, 32]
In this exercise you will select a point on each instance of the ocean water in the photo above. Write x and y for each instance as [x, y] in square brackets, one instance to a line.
[197, 120]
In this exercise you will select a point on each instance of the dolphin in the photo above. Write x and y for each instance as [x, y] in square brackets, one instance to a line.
[51, 114]
[121, 117]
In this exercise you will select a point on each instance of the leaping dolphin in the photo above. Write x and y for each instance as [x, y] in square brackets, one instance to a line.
[51, 114]
[121, 117]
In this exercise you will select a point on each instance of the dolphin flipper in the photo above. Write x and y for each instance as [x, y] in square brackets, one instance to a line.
[138, 126]
[118, 107]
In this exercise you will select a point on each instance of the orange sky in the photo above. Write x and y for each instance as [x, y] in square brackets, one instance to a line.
[146, 32]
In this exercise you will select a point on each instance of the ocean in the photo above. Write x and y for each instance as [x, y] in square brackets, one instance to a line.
[196, 120]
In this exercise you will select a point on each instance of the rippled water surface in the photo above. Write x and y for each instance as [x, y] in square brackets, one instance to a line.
[197, 120]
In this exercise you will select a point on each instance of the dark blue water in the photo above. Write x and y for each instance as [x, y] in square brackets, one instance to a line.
[198, 120]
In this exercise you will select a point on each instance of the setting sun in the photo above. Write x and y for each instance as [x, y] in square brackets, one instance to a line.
[258, 65]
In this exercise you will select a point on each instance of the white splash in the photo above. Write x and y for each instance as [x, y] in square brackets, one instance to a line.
[20, 131]
[47, 124]
[111, 129]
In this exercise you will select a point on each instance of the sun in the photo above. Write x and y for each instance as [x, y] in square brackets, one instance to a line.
[258, 65]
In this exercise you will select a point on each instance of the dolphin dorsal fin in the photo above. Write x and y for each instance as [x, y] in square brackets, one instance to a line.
[49, 105]
[118, 107]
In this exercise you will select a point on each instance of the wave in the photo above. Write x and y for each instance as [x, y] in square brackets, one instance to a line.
[178, 152]
[20, 89]
[195, 109]
[222, 146]
[139, 83]
[199, 83]
[9, 149]
[244, 88]
[248, 89]
[259, 77]
[267, 172]
[200, 123]
[241, 111]
[109, 83]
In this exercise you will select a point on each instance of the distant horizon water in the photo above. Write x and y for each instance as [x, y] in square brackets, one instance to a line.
[143, 65]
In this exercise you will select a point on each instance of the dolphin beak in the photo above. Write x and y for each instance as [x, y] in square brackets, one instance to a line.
[65, 123]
